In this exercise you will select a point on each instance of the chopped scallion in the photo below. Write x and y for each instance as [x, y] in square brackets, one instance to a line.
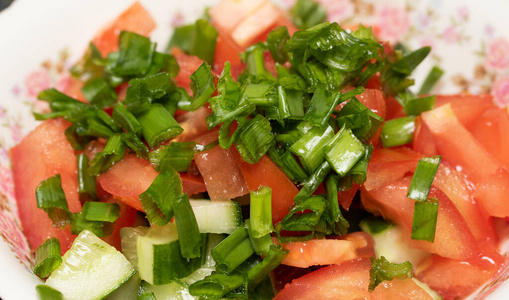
[189, 235]
[101, 211]
[383, 270]
[433, 76]
[158, 125]
[423, 178]
[425, 220]
[47, 257]
[397, 132]
[51, 198]
[261, 211]
[86, 182]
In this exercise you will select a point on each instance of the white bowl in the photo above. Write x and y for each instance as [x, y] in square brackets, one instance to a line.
[469, 39]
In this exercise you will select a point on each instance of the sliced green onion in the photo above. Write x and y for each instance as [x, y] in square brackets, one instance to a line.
[305, 216]
[215, 286]
[202, 85]
[47, 257]
[410, 61]
[259, 94]
[313, 182]
[397, 132]
[79, 223]
[262, 244]
[433, 76]
[157, 85]
[137, 98]
[309, 148]
[197, 39]
[177, 155]
[425, 220]
[383, 270]
[162, 62]
[89, 66]
[363, 122]
[99, 93]
[270, 262]
[276, 40]
[158, 125]
[86, 182]
[126, 119]
[51, 198]
[307, 13]
[255, 64]
[423, 178]
[321, 106]
[60, 102]
[224, 138]
[101, 211]
[255, 139]
[288, 163]
[232, 251]
[360, 169]
[157, 200]
[112, 153]
[261, 211]
[189, 235]
[339, 223]
[374, 225]
[134, 142]
[344, 151]
[134, 55]
[77, 142]
[416, 106]
[46, 292]
[107, 120]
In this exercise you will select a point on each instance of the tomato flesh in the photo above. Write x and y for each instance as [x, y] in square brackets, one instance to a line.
[43, 153]
[399, 289]
[348, 280]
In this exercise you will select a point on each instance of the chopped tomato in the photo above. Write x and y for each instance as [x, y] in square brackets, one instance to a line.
[193, 123]
[399, 289]
[136, 19]
[388, 164]
[228, 14]
[44, 153]
[227, 50]
[492, 193]
[491, 129]
[423, 141]
[453, 238]
[459, 190]
[345, 198]
[459, 278]
[328, 251]
[188, 64]
[348, 280]
[132, 176]
[220, 171]
[394, 108]
[266, 173]
[467, 108]
[457, 145]
[73, 89]
[374, 100]
[126, 219]
[128, 178]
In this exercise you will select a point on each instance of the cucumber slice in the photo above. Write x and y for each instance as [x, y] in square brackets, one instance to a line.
[128, 238]
[390, 242]
[170, 291]
[159, 258]
[91, 269]
[217, 216]
[128, 291]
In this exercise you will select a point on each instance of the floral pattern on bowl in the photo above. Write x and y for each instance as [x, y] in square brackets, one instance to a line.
[472, 48]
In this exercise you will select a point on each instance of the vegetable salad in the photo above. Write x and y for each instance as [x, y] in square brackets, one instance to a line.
[263, 154]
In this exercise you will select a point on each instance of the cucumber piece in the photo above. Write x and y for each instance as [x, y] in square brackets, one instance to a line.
[128, 238]
[128, 291]
[91, 269]
[428, 290]
[390, 241]
[217, 216]
[159, 258]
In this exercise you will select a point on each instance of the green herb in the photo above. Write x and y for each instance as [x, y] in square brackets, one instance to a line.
[47, 257]
[423, 178]
[425, 220]
[383, 270]
[433, 77]
[51, 198]
[397, 132]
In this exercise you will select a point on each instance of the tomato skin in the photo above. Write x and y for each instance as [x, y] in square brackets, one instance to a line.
[193, 123]
[43, 153]
[219, 169]
[399, 289]
[266, 173]
[457, 279]
[453, 238]
[492, 193]
[348, 280]
[328, 251]
[136, 19]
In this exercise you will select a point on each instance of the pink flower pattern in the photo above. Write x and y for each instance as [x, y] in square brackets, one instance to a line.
[497, 54]
[500, 91]
[394, 22]
[451, 35]
[338, 10]
[36, 82]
